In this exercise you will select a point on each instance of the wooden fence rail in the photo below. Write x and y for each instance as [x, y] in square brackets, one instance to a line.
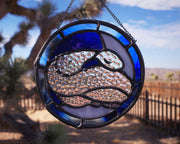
[161, 112]
[165, 89]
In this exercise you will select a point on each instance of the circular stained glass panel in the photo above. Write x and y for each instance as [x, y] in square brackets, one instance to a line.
[89, 73]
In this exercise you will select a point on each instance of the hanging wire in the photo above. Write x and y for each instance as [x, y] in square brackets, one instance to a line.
[117, 20]
[64, 16]
[107, 8]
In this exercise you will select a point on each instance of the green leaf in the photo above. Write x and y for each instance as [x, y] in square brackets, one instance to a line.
[47, 7]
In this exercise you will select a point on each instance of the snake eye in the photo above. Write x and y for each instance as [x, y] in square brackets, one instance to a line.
[110, 60]
[106, 61]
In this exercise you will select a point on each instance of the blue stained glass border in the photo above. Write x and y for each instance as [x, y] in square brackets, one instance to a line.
[86, 26]
[54, 97]
[51, 46]
[42, 87]
[63, 116]
[78, 41]
[136, 62]
[115, 33]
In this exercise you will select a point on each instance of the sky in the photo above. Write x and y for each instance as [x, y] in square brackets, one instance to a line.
[155, 24]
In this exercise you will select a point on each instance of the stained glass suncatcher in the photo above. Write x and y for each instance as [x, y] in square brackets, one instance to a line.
[89, 73]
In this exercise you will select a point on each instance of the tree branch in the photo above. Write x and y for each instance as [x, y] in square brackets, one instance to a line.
[31, 14]
[44, 35]
[18, 38]
[3, 9]
[88, 9]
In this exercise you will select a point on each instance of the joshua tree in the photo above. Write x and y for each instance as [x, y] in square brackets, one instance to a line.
[46, 19]
[1, 37]
[43, 18]
[154, 76]
[178, 74]
[11, 87]
[170, 76]
[20, 37]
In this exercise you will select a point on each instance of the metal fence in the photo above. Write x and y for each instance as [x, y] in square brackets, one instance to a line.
[154, 106]
[32, 103]
[158, 111]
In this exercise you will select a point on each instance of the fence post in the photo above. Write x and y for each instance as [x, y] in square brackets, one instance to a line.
[159, 117]
[175, 115]
[171, 113]
[147, 107]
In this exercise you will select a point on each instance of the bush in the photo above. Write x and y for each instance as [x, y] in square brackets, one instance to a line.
[11, 87]
[54, 134]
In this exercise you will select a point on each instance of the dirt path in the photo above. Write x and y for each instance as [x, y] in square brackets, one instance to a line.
[124, 131]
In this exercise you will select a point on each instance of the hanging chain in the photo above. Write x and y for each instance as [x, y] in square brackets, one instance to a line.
[111, 13]
[65, 14]
[117, 20]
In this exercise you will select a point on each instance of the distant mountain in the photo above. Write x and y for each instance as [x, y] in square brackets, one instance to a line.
[160, 72]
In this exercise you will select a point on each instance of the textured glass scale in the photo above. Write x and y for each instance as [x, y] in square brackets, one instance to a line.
[89, 73]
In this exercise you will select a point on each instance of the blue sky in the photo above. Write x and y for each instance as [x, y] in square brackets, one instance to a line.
[155, 24]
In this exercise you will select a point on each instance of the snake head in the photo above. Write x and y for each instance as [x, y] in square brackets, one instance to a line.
[110, 60]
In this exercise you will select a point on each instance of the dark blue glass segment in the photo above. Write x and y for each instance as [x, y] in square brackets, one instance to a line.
[46, 96]
[48, 50]
[136, 62]
[54, 97]
[91, 63]
[59, 113]
[79, 41]
[42, 87]
[126, 104]
[110, 116]
[86, 26]
[130, 100]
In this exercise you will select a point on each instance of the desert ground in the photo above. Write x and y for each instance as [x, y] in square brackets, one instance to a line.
[126, 130]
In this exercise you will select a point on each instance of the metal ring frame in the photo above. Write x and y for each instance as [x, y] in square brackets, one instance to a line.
[50, 98]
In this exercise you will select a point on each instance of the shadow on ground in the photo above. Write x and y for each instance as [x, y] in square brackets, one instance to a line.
[126, 130]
